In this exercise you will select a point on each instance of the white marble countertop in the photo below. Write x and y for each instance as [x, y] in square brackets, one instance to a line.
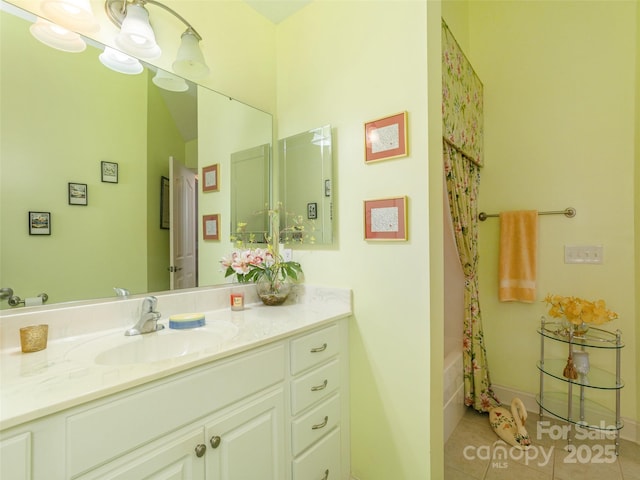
[33, 385]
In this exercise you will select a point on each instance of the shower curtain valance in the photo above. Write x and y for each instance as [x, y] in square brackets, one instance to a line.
[462, 91]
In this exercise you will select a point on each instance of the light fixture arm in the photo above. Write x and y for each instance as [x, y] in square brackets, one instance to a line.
[117, 9]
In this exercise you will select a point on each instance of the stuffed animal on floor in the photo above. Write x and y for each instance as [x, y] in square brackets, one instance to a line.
[509, 426]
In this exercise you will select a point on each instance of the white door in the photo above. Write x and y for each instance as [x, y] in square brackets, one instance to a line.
[182, 220]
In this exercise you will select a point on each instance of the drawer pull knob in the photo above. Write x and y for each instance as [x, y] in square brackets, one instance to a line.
[321, 425]
[326, 474]
[319, 349]
[200, 449]
[322, 386]
[214, 441]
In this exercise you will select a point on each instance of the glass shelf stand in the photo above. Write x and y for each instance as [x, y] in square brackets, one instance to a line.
[572, 405]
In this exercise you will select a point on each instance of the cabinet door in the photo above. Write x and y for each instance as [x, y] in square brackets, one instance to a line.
[171, 458]
[247, 443]
[15, 457]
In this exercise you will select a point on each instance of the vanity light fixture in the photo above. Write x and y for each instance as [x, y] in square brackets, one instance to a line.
[190, 61]
[57, 37]
[120, 62]
[137, 37]
[75, 15]
[169, 81]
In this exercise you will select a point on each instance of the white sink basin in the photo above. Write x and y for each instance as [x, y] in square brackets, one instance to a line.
[118, 349]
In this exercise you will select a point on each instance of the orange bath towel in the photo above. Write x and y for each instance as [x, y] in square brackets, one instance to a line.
[518, 256]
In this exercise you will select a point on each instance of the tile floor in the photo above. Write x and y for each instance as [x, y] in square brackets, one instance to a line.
[470, 454]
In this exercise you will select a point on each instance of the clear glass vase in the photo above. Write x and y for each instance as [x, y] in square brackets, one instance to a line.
[579, 330]
[273, 290]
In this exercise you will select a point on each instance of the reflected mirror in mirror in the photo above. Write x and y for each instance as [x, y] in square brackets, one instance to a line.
[306, 198]
[65, 113]
[250, 181]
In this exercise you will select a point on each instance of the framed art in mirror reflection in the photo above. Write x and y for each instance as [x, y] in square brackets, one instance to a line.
[78, 194]
[39, 223]
[109, 172]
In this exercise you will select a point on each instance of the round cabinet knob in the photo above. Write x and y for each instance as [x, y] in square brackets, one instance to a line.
[215, 441]
[200, 449]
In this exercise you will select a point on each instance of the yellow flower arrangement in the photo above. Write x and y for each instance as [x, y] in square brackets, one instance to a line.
[578, 311]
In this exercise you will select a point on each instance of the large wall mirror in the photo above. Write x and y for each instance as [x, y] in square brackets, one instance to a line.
[63, 114]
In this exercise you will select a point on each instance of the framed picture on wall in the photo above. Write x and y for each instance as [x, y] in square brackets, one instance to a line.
[211, 227]
[210, 178]
[386, 138]
[39, 223]
[385, 219]
[78, 194]
[109, 172]
[164, 203]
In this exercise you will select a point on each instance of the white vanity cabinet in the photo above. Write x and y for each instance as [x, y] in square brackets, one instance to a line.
[277, 411]
[318, 405]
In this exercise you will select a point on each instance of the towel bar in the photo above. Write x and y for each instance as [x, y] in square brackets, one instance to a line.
[569, 212]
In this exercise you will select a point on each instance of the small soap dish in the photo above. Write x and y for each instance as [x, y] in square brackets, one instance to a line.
[186, 320]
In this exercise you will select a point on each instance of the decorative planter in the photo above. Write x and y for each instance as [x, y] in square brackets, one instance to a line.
[273, 291]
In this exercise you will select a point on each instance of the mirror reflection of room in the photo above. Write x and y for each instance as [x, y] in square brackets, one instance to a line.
[65, 113]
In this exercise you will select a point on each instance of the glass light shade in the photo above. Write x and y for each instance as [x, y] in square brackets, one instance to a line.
[169, 81]
[136, 35]
[190, 61]
[120, 62]
[73, 14]
[57, 37]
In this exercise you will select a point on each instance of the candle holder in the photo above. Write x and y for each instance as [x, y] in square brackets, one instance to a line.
[34, 338]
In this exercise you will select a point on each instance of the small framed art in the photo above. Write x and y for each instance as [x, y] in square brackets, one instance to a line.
[39, 223]
[78, 194]
[210, 178]
[109, 172]
[164, 203]
[386, 138]
[211, 227]
[385, 219]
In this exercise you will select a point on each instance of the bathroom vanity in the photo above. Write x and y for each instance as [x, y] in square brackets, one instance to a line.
[260, 393]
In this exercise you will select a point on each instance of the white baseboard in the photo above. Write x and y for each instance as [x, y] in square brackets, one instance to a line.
[631, 430]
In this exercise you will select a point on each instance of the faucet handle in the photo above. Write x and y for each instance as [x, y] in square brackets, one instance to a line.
[149, 304]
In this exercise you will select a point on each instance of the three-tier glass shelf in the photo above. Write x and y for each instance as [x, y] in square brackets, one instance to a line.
[571, 403]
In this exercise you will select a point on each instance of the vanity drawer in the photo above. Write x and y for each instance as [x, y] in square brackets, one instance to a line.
[314, 386]
[314, 348]
[320, 462]
[312, 426]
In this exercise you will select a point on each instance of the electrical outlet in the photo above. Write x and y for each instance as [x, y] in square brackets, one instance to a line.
[588, 254]
[287, 254]
[312, 211]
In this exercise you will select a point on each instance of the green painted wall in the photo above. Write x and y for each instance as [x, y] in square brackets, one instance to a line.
[346, 63]
[560, 131]
[92, 248]
[164, 140]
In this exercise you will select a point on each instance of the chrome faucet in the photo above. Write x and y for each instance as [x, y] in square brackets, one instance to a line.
[148, 318]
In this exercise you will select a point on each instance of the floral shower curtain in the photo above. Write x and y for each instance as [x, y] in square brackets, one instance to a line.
[463, 148]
